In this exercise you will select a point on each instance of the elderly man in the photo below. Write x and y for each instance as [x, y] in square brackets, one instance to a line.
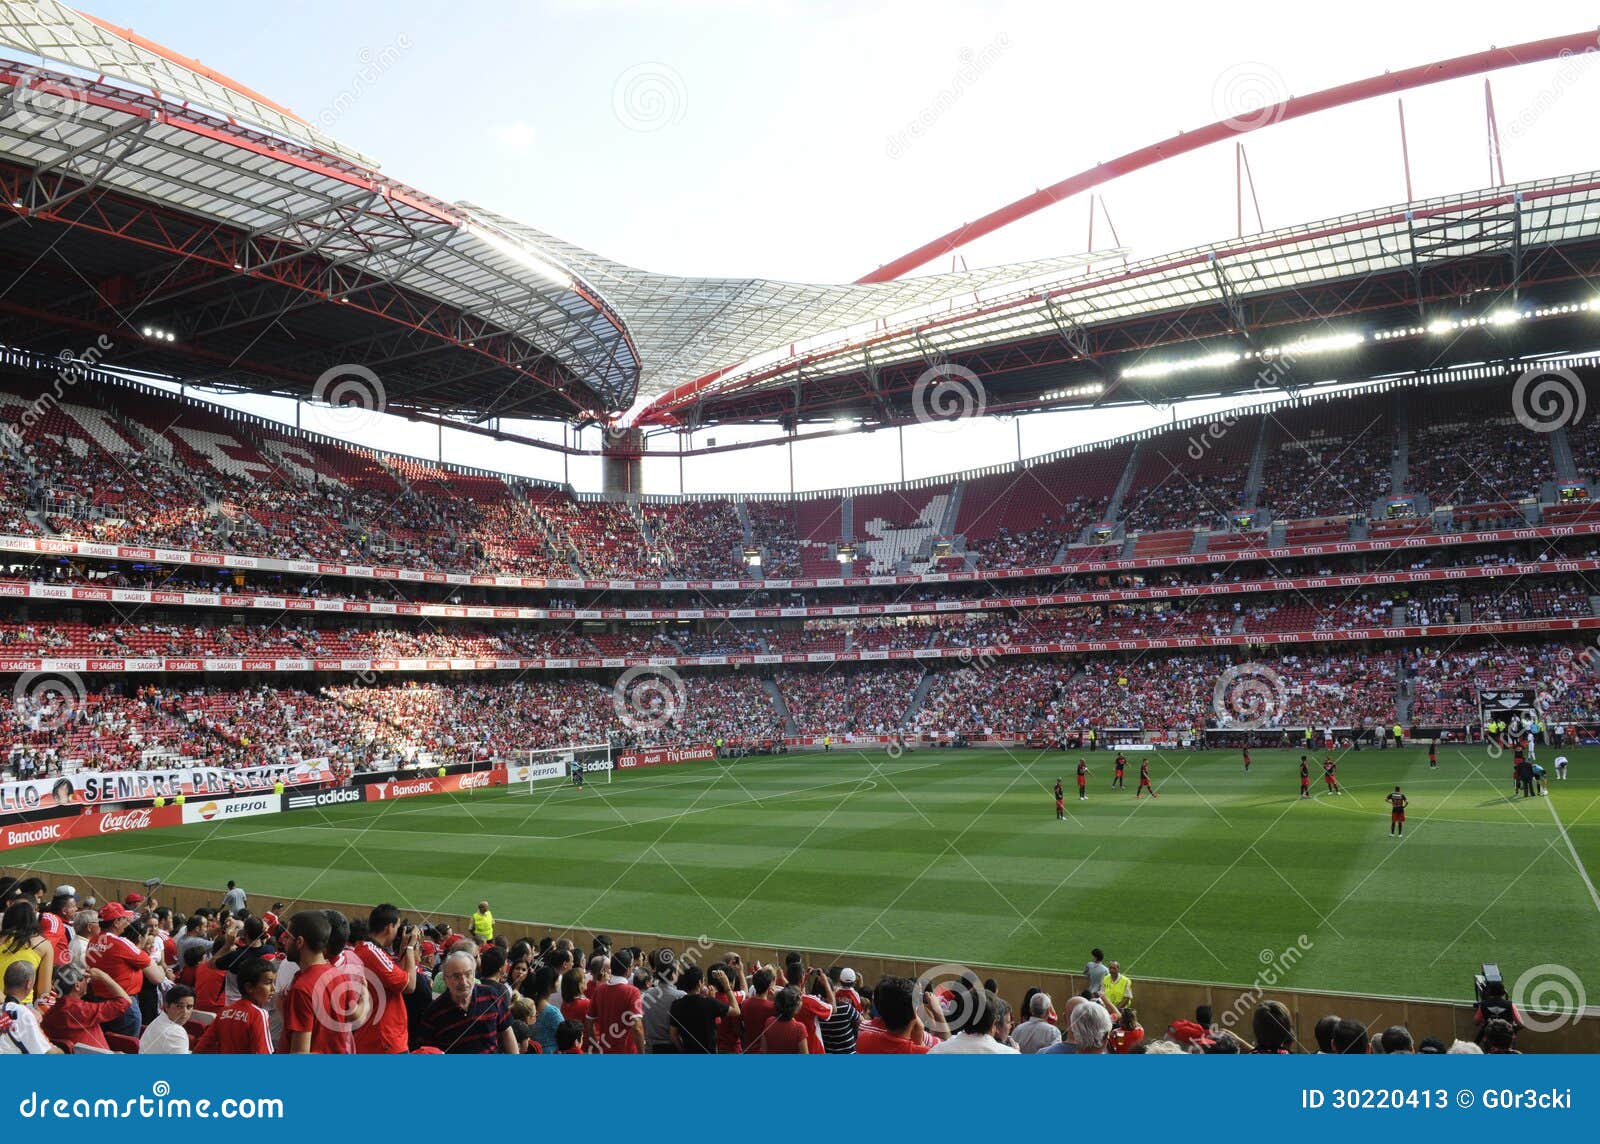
[1091, 1028]
[85, 928]
[468, 1017]
[21, 1035]
[1039, 1030]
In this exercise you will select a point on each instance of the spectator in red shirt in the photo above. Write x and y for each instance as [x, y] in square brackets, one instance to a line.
[210, 981]
[129, 965]
[896, 1029]
[816, 997]
[1127, 1035]
[616, 1015]
[783, 1032]
[56, 923]
[569, 1038]
[316, 1009]
[757, 1009]
[575, 1004]
[243, 1026]
[76, 1020]
[387, 981]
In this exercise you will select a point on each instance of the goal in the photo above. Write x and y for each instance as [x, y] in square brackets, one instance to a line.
[552, 763]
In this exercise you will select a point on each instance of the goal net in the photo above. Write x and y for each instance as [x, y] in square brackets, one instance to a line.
[587, 762]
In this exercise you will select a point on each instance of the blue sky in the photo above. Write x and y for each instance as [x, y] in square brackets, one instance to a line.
[773, 139]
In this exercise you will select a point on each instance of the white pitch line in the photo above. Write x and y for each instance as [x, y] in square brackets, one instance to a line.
[1583, 873]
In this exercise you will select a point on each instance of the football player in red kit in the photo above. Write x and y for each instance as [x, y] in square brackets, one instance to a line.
[1121, 765]
[1083, 781]
[1247, 760]
[1305, 778]
[1397, 812]
[1061, 806]
[1144, 781]
[1330, 775]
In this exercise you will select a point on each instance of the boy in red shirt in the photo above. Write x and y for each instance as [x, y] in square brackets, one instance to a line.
[242, 1026]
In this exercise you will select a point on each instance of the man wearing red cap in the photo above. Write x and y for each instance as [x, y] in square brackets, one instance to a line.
[129, 965]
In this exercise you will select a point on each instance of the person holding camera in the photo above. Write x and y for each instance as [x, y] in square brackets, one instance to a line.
[388, 959]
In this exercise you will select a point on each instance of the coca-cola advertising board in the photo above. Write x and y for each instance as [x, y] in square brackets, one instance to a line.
[43, 832]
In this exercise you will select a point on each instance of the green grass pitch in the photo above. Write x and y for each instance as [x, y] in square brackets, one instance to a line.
[958, 856]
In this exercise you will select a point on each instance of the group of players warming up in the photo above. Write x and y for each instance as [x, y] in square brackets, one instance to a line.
[1330, 776]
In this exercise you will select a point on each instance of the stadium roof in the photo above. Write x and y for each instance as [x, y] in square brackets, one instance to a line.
[1209, 320]
[275, 253]
[214, 236]
[150, 193]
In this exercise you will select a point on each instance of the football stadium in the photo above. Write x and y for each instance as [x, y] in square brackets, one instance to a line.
[426, 635]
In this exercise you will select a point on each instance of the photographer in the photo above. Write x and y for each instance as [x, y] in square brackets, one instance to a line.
[388, 957]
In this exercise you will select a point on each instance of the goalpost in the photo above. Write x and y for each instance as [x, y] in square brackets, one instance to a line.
[592, 760]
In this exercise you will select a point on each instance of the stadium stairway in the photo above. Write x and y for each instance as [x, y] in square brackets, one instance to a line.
[1561, 454]
[1400, 468]
[1258, 465]
[847, 518]
[952, 509]
[1124, 483]
[746, 536]
[770, 686]
[918, 698]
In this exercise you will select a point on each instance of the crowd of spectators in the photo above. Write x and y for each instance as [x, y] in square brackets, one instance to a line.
[849, 698]
[136, 976]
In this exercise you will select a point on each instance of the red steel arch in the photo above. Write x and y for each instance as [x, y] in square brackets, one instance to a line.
[1389, 82]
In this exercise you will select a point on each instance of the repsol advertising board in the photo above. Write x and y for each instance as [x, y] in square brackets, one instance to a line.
[218, 809]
